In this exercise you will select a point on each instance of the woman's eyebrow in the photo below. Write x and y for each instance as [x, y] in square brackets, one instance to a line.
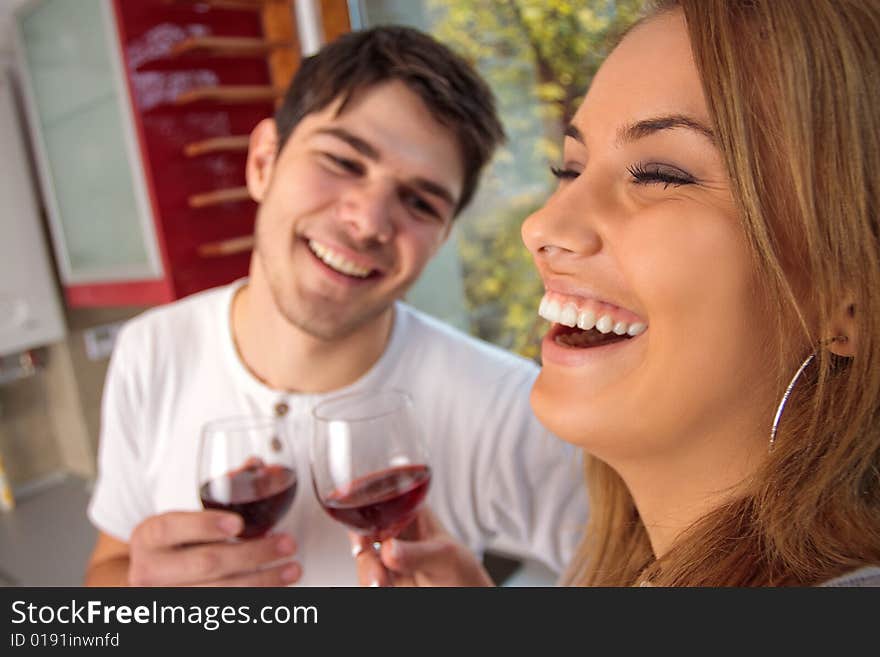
[574, 133]
[650, 126]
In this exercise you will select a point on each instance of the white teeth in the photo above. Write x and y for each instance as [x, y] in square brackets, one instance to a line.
[569, 315]
[636, 329]
[549, 309]
[605, 324]
[586, 320]
[337, 261]
[542, 309]
[552, 311]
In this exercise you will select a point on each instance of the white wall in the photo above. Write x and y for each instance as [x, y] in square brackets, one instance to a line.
[30, 309]
[6, 9]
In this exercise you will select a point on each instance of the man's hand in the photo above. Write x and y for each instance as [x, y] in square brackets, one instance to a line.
[424, 554]
[193, 548]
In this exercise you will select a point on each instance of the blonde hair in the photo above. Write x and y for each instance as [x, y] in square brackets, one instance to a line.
[793, 88]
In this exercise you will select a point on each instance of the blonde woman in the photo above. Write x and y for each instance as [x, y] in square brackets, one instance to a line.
[715, 243]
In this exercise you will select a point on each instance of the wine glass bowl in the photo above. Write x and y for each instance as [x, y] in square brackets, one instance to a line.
[369, 462]
[247, 466]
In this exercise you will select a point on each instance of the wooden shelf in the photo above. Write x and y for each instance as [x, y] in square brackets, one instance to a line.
[278, 25]
[214, 46]
[219, 196]
[227, 247]
[231, 144]
[229, 94]
[335, 17]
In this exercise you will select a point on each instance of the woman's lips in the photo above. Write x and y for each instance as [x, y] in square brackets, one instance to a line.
[596, 345]
[590, 313]
[576, 338]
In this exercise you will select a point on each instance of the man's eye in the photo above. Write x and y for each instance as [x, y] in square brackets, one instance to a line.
[343, 164]
[660, 174]
[419, 204]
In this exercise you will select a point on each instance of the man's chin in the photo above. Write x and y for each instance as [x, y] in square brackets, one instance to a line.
[325, 331]
[324, 318]
[332, 326]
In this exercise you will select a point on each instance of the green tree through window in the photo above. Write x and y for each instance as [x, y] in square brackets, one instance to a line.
[539, 56]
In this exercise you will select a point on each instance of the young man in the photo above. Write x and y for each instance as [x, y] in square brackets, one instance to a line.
[377, 147]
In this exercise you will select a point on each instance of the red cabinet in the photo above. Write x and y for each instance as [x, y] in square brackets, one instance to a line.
[140, 111]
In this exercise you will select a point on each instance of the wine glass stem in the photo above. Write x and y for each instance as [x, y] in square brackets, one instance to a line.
[377, 549]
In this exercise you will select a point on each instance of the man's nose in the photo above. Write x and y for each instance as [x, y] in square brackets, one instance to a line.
[366, 209]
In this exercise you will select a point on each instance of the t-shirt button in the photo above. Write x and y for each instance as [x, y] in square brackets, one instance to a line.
[281, 409]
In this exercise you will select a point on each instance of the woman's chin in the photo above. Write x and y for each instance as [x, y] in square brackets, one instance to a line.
[599, 424]
[562, 411]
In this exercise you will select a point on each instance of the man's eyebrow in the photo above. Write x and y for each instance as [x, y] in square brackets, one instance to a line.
[362, 147]
[435, 189]
[646, 127]
[369, 151]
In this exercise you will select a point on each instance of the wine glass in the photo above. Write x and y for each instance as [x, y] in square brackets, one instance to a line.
[247, 466]
[369, 462]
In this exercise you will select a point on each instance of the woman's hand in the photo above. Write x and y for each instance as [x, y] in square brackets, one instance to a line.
[424, 554]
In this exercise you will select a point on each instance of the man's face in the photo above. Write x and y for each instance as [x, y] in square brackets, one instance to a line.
[353, 207]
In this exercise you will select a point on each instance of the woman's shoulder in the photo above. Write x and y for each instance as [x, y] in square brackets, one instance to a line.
[866, 576]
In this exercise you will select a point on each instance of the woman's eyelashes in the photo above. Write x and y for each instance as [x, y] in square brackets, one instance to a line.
[564, 173]
[660, 174]
[641, 174]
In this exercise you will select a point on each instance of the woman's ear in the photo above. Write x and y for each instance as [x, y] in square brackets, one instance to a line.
[844, 335]
[262, 150]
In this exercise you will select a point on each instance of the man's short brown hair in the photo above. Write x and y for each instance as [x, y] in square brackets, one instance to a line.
[456, 96]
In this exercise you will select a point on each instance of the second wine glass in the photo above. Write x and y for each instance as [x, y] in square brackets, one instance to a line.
[369, 461]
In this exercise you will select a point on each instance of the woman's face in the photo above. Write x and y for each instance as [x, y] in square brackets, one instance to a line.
[642, 238]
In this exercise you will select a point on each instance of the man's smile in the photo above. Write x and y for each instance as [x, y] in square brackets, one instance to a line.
[342, 263]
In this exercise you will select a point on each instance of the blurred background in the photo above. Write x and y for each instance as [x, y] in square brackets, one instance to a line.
[123, 128]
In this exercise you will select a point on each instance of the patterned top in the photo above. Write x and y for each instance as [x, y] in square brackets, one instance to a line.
[867, 576]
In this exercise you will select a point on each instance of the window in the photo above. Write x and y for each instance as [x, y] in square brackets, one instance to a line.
[539, 57]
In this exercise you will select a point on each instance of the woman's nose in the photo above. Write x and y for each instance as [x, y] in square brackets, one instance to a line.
[561, 229]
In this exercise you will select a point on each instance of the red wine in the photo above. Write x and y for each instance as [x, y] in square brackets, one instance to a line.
[380, 504]
[259, 493]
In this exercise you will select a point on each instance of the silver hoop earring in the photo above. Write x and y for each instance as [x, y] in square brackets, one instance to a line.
[842, 339]
[785, 397]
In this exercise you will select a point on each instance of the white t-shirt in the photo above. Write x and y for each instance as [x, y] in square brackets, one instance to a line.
[499, 479]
